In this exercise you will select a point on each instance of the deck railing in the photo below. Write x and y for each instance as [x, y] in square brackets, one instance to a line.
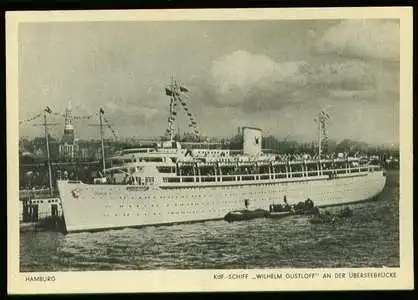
[267, 176]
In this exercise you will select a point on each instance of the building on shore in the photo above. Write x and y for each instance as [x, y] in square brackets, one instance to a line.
[68, 148]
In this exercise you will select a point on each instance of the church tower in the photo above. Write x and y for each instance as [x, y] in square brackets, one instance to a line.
[68, 147]
[68, 136]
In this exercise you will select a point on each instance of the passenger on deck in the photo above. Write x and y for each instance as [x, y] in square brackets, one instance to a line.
[246, 203]
[309, 204]
[286, 205]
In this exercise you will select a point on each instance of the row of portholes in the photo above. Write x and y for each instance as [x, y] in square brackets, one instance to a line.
[133, 206]
[175, 204]
[130, 214]
[158, 214]
[44, 201]
[36, 201]
[182, 213]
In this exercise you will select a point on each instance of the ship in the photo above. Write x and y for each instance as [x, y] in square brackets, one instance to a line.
[169, 183]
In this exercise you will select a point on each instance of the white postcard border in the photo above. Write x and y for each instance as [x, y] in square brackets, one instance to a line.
[204, 280]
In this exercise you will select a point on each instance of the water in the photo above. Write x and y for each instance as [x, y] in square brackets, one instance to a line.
[370, 238]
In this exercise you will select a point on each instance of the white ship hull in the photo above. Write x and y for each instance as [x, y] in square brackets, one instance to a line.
[103, 206]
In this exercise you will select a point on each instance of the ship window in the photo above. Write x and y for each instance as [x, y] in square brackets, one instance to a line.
[173, 179]
[149, 180]
[340, 165]
[165, 169]
[312, 167]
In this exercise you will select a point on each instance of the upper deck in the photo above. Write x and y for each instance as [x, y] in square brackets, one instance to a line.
[178, 168]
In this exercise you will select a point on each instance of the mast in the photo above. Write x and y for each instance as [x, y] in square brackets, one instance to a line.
[177, 93]
[319, 136]
[48, 110]
[101, 112]
[172, 99]
[45, 124]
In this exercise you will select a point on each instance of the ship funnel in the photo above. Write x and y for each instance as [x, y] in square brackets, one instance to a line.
[252, 140]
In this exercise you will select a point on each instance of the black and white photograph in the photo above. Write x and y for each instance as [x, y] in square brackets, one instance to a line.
[210, 144]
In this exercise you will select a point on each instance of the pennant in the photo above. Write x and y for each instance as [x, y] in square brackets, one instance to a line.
[324, 114]
[183, 89]
[168, 92]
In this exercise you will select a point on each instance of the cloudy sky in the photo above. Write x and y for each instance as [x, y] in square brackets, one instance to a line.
[276, 75]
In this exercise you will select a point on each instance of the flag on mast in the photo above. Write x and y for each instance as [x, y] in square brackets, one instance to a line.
[168, 92]
[48, 109]
[184, 89]
[325, 114]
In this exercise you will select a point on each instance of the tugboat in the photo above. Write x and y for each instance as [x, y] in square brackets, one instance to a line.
[306, 208]
[275, 211]
[246, 214]
[301, 208]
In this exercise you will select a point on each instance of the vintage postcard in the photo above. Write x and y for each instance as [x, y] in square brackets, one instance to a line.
[209, 150]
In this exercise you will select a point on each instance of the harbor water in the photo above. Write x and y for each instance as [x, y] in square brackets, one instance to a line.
[370, 238]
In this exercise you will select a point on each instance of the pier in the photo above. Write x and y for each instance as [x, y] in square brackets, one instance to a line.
[38, 211]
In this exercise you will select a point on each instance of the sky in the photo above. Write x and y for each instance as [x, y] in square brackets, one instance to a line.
[275, 75]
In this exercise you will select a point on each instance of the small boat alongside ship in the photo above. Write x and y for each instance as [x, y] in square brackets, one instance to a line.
[276, 211]
[245, 215]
